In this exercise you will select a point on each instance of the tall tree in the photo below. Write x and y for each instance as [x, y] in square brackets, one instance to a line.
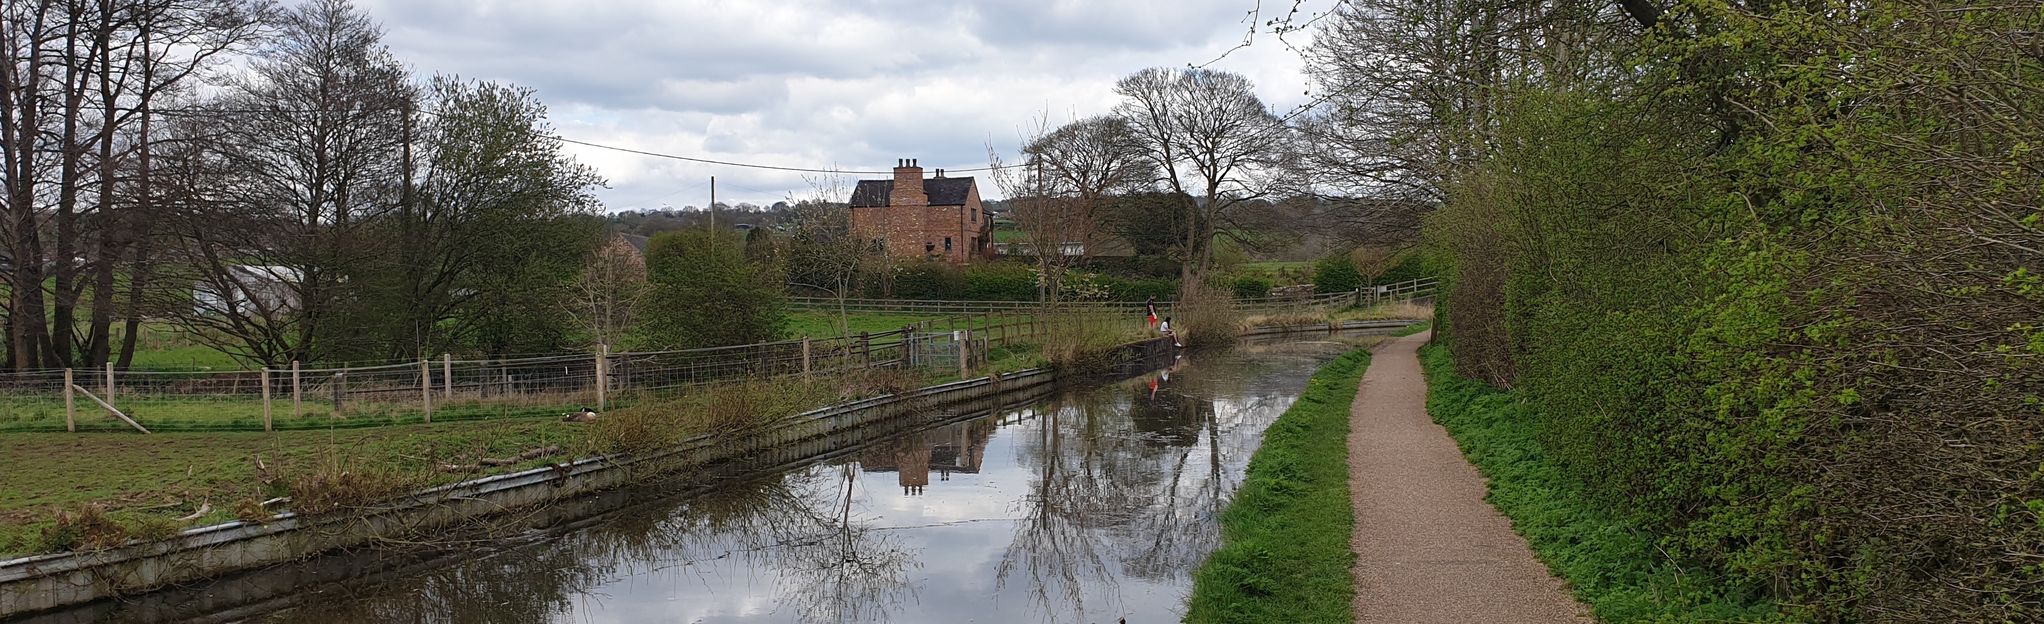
[1210, 138]
[1058, 194]
[314, 155]
[485, 193]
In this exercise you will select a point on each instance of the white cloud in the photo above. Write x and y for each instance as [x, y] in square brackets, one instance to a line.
[845, 83]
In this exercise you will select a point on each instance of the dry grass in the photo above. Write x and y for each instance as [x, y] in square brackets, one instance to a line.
[340, 484]
[1206, 317]
[1390, 310]
[1077, 341]
[1290, 319]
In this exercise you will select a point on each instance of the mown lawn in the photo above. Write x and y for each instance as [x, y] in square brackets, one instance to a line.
[1285, 553]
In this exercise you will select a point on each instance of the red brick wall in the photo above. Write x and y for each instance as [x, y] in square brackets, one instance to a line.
[909, 223]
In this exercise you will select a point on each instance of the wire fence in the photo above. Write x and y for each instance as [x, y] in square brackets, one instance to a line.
[446, 389]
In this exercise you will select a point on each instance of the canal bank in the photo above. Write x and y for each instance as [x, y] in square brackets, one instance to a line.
[536, 494]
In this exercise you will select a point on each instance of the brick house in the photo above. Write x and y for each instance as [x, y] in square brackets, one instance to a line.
[913, 217]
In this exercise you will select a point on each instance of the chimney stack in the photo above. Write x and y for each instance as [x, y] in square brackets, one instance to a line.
[908, 185]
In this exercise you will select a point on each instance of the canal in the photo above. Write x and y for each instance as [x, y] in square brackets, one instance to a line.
[1094, 505]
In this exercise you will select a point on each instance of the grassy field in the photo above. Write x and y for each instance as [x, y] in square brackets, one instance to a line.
[148, 480]
[1615, 568]
[1285, 539]
[145, 485]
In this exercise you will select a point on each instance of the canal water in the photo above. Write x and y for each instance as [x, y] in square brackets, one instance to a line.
[1095, 505]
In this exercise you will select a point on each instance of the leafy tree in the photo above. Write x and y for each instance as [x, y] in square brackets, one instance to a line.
[1335, 274]
[705, 293]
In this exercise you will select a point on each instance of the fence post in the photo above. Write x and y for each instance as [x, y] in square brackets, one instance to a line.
[340, 386]
[805, 357]
[109, 382]
[297, 393]
[964, 339]
[426, 387]
[265, 379]
[602, 375]
[70, 405]
[447, 376]
[865, 350]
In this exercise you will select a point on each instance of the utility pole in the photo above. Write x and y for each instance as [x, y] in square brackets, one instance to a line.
[713, 214]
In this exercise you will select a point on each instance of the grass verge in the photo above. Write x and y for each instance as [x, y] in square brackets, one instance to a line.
[1285, 539]
[1616, 569]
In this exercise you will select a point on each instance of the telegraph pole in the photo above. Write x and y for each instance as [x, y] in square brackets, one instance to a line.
[713, 214]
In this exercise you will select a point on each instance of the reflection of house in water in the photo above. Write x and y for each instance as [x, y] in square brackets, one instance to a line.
[952, 448]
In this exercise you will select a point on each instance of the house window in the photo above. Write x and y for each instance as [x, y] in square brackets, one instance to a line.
[947, 243]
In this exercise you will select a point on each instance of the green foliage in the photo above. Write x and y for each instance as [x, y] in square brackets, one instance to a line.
[1000, 281]
[1336, 273]
[1766, 300]
[929, 279]
[706, 294]
[1410, 267]
[1285, 553]
[1251, 287]
[1611, 565]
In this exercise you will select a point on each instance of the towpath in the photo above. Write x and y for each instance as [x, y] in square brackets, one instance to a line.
[1428, 548]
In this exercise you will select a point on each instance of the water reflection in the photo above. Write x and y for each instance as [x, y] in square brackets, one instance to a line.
[1089, 507]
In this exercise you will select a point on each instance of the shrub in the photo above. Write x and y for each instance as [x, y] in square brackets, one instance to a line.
[1000, 281]
[706, 294]
[930, 279]
[1206, 317]
[1140, 289]
[1252, 287]
[1335, 274]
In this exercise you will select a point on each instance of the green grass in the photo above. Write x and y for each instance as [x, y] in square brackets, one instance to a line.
[185, 357]
[1413, 329]
[823, 323]
[1285, 539]
[160, 477]
[1615, 568]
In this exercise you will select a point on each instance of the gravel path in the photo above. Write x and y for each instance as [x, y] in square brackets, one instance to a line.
[1428, 548]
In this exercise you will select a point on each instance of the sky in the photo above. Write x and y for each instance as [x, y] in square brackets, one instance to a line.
[851, 85]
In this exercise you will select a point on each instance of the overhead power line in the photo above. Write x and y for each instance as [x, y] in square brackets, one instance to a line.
[197, 112]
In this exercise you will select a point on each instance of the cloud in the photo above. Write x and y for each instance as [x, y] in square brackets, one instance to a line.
[845, 83]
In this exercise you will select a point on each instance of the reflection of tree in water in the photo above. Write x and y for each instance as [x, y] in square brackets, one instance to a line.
[830, 566]
[1135, 476]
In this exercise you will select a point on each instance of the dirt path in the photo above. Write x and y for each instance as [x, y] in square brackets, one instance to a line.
[1428, 548]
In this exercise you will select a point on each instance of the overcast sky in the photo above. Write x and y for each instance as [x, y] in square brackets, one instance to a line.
[851, 84]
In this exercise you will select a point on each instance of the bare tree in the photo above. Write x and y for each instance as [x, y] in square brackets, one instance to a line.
[823, 253]
[76, 101]
[314, 157]
[1210, 138]
[610, 291]
[1060, 191]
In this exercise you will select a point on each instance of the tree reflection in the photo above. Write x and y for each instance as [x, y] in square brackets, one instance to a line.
[829, 565]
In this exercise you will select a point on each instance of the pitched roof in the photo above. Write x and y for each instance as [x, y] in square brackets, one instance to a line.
[942, 191]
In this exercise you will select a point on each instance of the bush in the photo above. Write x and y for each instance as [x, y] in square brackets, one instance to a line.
[1251, 287]
[1335, 274]
[706, 294]
[1206, 317]
[1140, 289]
[1000, 281]
[930, 279]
